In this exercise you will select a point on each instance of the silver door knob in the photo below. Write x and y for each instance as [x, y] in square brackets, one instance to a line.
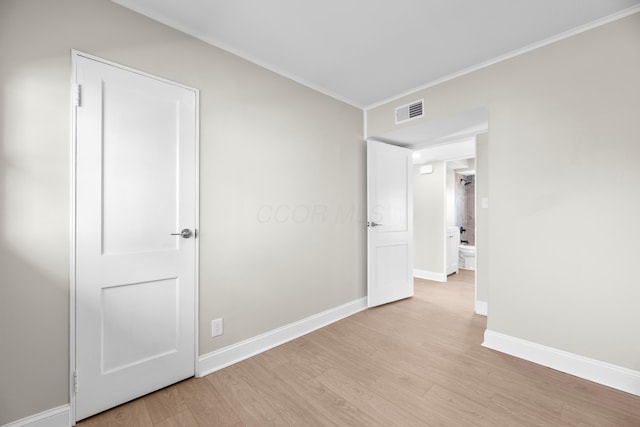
[373, 224]
[185, 233]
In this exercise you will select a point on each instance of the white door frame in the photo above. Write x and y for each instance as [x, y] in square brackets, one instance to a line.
[75, 98]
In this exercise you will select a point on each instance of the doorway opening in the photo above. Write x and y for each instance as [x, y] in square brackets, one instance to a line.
[446, 149]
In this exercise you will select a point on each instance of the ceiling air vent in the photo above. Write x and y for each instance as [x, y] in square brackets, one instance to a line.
[410, 111]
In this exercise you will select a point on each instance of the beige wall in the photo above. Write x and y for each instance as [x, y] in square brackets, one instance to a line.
[429, 219]
[482, 218]
[563, 177]
[450, 210]
[267, 145]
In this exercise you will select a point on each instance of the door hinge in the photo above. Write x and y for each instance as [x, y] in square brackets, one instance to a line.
[75, 381]
[77, 90]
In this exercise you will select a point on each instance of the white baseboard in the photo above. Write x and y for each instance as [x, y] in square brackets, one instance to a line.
[430, 275]
[583, 367]
[229, 355]
[482, 308]
[56, 417]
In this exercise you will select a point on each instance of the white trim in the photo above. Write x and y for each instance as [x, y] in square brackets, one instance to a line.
[599, 372]
[56, 417]
[76, 52]
[365, 125]
[196, 279]
[482, 308]
[72, 243]
[558, 37]
[430, 275]
[445, 228]
[234, 353]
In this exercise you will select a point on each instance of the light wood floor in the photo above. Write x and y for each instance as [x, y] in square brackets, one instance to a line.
[416, 362]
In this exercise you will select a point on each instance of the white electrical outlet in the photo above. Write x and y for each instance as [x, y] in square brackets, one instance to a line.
[217, 327]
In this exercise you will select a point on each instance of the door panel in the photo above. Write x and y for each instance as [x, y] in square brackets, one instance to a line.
[148, 312]
[135, 287]
[390, 207]
[139, 154]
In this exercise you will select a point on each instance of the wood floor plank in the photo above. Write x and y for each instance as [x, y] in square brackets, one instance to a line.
[133, 413]
[207, 405]
[251, 407]
[181, 419]
[584, 415]
[335, 409]
[306, 353]
[283, 394]
[530, 410]
[165, 403]
[462, 411]
[383, 409]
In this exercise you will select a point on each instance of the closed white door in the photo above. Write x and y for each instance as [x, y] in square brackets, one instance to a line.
[135, 281]
[390, 223]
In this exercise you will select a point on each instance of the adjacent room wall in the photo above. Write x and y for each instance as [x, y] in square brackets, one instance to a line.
[562, 152]
[429, 219]
[483, 233]
[282, 186]
[451, 198]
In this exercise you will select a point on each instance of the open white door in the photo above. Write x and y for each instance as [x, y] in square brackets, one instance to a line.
[135, 282]
[390, 223]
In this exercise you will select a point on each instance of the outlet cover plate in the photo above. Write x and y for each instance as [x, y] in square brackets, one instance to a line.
[217, 327]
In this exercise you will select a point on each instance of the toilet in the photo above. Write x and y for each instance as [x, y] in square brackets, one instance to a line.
[467, 257]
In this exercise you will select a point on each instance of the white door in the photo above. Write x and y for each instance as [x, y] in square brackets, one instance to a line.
[390, 223]
[453, 239]
[135, 282]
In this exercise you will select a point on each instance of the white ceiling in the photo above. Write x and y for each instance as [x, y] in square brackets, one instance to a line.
[368, 51]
